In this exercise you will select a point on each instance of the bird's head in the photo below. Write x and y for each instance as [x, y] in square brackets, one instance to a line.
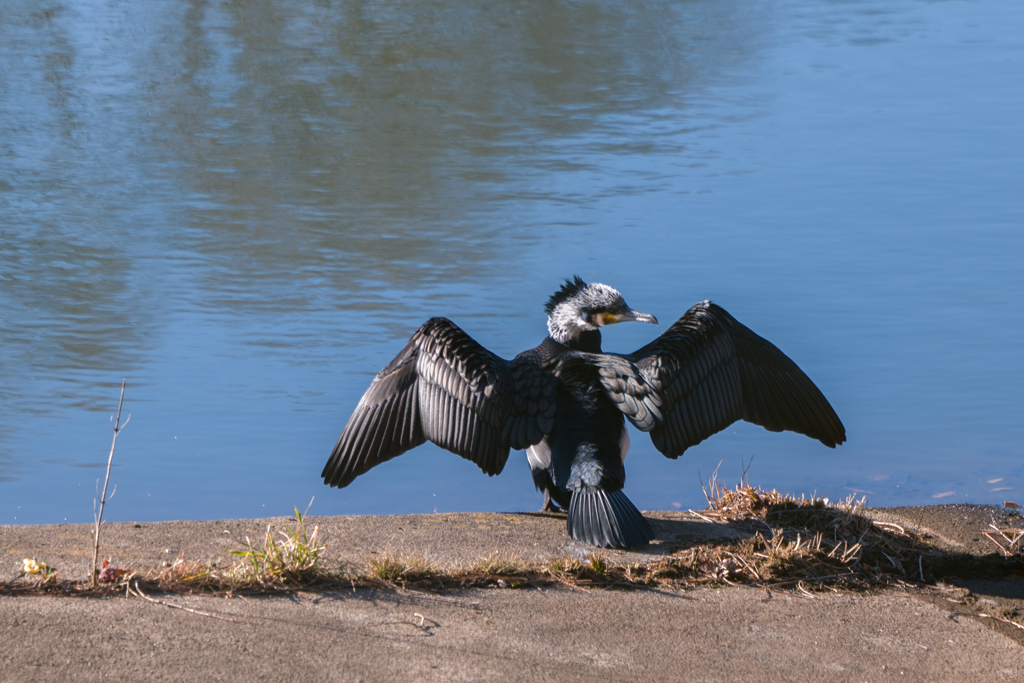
[578, 307]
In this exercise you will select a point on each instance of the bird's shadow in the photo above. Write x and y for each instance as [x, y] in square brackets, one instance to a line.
[673, 535]
[670, 535]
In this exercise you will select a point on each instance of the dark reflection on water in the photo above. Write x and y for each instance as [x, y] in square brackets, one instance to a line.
[385, 139]
[280, 157]
[245, 207]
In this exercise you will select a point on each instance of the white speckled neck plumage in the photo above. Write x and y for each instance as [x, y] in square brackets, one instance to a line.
[568, 319]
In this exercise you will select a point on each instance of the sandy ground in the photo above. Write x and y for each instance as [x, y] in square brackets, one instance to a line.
[931, 634]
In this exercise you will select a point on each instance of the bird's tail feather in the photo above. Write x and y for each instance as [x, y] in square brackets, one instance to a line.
[606, 519]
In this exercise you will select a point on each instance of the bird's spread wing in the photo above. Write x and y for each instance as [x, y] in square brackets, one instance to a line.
[445, 387]
[708, 371]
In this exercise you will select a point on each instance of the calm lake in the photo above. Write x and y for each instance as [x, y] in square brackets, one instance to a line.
[245, 208]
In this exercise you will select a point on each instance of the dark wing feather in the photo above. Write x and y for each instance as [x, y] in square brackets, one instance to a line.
[533, 402]
[445, 387]
[628, 389]
[708, 371]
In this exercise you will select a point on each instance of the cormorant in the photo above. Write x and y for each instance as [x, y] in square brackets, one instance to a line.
[564, 402]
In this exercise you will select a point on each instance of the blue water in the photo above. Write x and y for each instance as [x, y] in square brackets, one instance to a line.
[246, 208]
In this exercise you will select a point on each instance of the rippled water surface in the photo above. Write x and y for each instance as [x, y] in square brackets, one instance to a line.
[245, 208]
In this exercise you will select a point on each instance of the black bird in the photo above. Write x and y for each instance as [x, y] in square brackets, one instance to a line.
[564, 402]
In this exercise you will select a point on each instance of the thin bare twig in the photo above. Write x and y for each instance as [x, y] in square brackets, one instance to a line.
[103, 499]
[138, 591]
[1003, 619]
[697, 514]
[1016, 534]
[746, 467]
[884, 524]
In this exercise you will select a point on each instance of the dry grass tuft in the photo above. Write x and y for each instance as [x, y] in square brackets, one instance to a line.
[799, 539]
[497, 564]
[393, 570]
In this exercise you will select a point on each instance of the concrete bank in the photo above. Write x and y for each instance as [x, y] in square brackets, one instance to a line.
[494, 634]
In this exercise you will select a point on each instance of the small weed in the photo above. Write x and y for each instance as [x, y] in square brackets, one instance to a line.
[395, 570]
[290, 560]
[567, 565]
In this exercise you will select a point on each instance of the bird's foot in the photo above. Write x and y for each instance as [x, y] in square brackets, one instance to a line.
[550, 506]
